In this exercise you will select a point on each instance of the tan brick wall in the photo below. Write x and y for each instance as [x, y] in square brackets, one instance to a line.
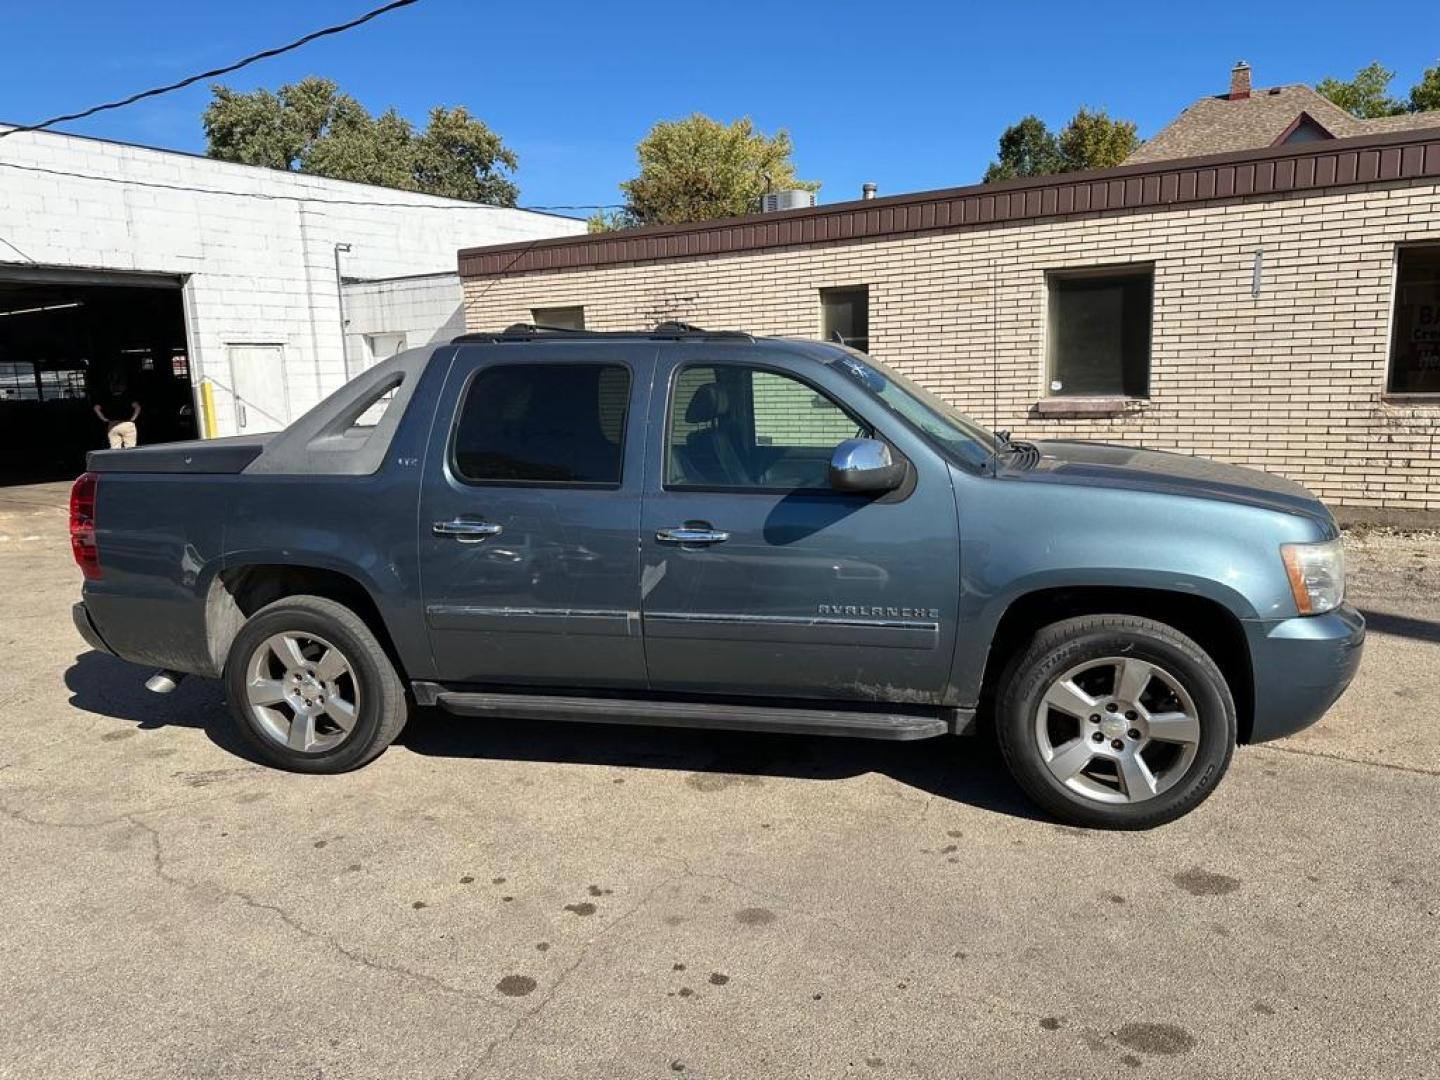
[1291, 381]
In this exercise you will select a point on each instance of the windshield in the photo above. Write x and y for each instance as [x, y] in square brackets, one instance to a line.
[953, 431]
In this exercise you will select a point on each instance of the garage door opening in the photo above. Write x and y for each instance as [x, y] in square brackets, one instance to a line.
[70, 342]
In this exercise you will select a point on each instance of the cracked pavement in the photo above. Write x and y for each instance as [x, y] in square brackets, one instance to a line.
[515, 900]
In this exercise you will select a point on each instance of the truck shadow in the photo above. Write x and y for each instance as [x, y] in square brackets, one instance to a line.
[109, 687]
[963, 770]
[967, 770]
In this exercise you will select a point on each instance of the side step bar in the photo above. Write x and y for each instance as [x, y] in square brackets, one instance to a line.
[697, 714]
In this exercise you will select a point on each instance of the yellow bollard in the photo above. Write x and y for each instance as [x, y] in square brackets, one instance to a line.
[207, 409]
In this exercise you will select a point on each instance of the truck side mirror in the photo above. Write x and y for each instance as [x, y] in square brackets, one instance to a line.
[859, 465]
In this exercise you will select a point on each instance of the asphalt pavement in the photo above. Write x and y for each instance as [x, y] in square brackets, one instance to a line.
[515, 900]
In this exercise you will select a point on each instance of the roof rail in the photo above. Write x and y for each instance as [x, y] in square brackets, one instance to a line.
[670, 331]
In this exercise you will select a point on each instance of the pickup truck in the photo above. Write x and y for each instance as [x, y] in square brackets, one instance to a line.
[712, 529]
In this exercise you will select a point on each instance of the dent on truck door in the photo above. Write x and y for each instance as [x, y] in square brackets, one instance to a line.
[758, 579]
[529, 515]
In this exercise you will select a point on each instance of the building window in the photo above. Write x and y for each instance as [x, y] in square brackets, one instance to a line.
[560, 318]
[544, 424]
[1099, 339]
[740, 427]
[1415, 330]
[845, 316]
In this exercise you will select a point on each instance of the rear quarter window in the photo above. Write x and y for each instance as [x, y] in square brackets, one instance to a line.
[544, 424]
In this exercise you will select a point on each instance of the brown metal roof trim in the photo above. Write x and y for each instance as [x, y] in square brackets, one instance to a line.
[1364, 159]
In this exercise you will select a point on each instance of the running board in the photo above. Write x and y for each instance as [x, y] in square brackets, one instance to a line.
[703, 714]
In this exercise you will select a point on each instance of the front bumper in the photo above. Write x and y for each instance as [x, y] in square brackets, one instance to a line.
[86, 628]
[1301, 666]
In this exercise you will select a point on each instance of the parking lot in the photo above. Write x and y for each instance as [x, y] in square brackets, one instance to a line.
[549, 900]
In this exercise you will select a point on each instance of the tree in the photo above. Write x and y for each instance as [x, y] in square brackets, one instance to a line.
[311, 127]
[699, 169]
[1425, 95]
[1366, 95]
[1026, 149]
[1091, 140]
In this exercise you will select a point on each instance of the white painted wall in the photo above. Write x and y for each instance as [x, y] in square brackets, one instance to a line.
[423, 309]
[256, 246]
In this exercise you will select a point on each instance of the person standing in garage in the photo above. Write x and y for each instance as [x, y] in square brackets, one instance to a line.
[111, 400]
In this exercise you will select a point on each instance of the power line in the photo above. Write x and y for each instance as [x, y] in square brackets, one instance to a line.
[216, 72]
[272, 197]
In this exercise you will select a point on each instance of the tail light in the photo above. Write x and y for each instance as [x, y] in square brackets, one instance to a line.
[82, 525]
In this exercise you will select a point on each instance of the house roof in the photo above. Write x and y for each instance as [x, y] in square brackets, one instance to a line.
[1222, 124]
[1271, 172]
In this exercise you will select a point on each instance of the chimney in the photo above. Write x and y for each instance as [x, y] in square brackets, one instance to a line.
[1240, 81]
[868, 189]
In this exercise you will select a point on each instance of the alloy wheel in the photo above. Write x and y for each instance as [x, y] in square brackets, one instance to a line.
[301, 692]
[1117, 729]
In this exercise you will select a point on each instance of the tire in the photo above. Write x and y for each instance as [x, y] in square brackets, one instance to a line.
[266, 698]
[1088, 772]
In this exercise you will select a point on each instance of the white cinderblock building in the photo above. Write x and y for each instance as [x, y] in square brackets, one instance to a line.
[116, 254]
[385, 315]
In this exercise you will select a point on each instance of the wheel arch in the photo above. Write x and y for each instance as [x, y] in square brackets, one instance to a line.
[1208, 622]
[237, 592]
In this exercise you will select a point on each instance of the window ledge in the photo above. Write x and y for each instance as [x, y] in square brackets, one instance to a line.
[1404, 400]
[1089, 406]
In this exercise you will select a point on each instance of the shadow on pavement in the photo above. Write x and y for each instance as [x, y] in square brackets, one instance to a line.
[1402, 626]
[964, 770]
[106, 686]
[967, 770]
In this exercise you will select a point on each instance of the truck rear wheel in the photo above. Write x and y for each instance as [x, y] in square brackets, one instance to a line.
[311, 688]
[1116, 722]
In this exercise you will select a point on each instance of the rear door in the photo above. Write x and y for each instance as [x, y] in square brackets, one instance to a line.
[529, 514]
[758, 579]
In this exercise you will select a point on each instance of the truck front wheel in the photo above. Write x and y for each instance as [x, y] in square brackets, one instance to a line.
[1116, 721]
[311, 688]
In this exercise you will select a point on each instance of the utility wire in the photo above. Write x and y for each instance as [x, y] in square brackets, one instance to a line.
[270, 197]
[216, 72]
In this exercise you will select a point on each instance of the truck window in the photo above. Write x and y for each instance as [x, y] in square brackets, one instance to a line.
[739, 427]
[543, 424]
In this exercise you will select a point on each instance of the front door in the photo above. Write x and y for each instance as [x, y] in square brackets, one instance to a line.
[758, 579]
[529, 514]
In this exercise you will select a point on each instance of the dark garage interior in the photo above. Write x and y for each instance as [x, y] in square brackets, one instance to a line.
[67, 341]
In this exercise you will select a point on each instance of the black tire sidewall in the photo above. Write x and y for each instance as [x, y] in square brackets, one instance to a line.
[366, 658]
[1065, 645]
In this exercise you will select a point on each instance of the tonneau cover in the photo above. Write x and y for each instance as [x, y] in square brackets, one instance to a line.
[229, 455]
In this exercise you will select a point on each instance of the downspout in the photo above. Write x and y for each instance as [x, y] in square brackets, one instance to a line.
[340, 301]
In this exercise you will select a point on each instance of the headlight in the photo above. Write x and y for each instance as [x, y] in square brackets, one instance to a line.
[1317, 575]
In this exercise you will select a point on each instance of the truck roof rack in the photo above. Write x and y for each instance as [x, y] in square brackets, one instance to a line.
[669, 331]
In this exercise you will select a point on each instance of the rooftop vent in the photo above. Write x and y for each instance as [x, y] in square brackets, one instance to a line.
[786, 200]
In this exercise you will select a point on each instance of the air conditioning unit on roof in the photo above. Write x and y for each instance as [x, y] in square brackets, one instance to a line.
[786, 200]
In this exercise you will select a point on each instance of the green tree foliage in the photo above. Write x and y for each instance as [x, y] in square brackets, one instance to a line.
[311, 127]
[1026, 149]
[1425, 95]
[699, 169]
[1091, 140]
[1366, 95]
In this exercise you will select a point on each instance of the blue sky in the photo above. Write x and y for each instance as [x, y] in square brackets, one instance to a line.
[911, 95]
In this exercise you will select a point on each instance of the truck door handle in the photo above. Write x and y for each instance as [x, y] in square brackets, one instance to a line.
[466, 530]
[685, 534]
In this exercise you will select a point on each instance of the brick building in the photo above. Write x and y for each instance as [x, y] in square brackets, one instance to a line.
[1277, 308]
